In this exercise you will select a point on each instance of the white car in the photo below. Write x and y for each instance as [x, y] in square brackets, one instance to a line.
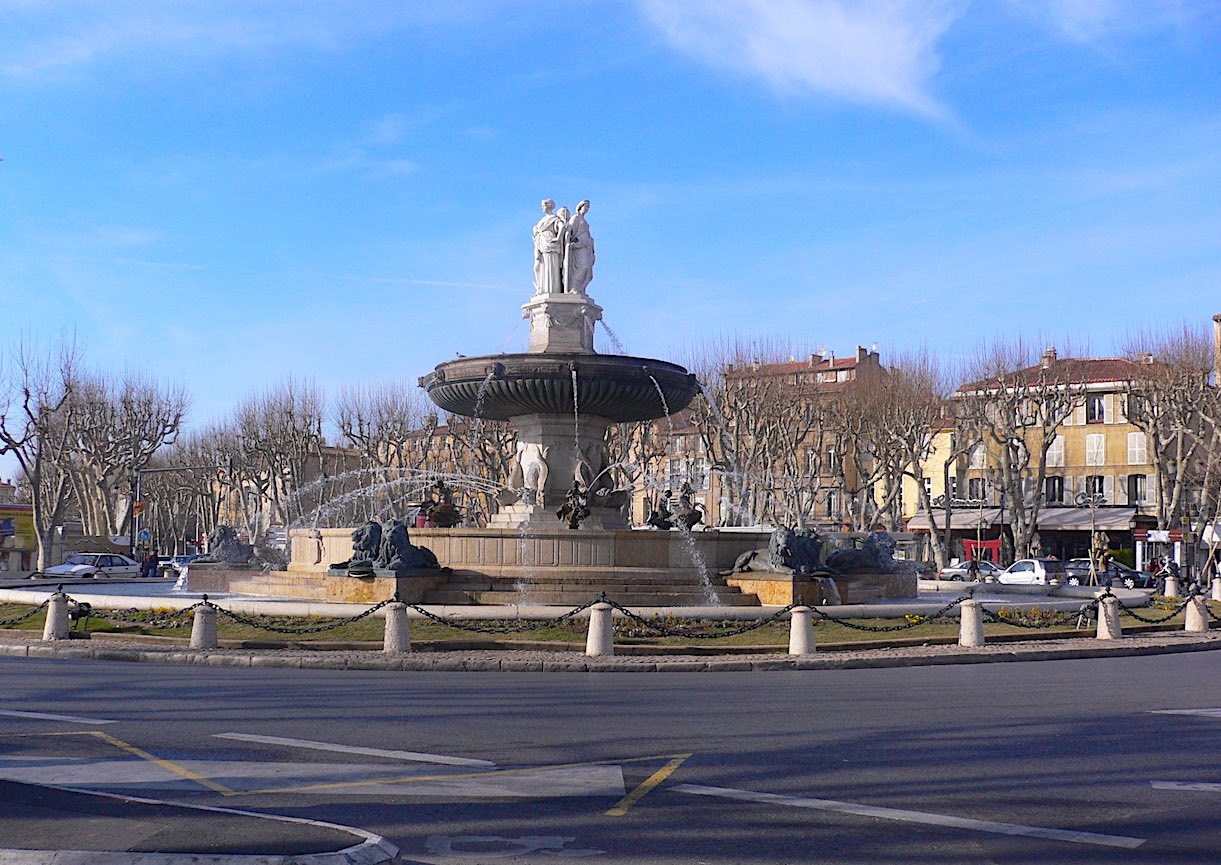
[95, 565]
[1033, 572]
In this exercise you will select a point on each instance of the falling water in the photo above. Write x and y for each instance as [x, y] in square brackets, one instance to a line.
[666, 408]
[180, 584]
[614, 340]
[477, 417]
[576, 414]
[523, 559]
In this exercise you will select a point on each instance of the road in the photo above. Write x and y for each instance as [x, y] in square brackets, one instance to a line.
[1068, 761]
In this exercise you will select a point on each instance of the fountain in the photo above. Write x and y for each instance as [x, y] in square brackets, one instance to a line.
[561, 534]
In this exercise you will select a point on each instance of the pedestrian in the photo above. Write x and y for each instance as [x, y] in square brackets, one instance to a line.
[149, 566]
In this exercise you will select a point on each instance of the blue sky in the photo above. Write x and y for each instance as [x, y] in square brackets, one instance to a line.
[222, 194]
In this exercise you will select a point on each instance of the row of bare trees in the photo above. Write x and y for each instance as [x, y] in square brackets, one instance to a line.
[793, 446]
[80, 437]
[788, 447]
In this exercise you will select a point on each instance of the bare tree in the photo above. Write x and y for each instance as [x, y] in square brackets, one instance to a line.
[278, 436]
[1170, 399]
[1016, 403]
[117, 428]
[36, 426]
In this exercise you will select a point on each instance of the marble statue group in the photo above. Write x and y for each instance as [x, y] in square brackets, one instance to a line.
[563, 250]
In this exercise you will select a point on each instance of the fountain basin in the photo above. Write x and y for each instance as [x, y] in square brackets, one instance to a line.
[616, 387]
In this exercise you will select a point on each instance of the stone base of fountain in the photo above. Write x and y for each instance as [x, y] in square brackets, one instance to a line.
[858, 588]
[548, 565]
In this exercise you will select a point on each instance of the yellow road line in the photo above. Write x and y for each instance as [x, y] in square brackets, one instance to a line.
[168, 765]
[646, 786]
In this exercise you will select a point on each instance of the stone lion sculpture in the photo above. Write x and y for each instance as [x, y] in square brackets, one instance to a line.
[366, 542]
[876, 555]
[224, 546]
[397, 553]
[789, 551]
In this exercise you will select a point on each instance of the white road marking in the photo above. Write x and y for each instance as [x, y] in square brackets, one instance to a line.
[352, 749]
[325, 779]
[42, 716]
[1206, 713]
[913, 816]
[500, 847]
[1186, 785]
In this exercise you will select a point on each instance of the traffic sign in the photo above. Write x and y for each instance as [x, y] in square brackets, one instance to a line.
[145, 534]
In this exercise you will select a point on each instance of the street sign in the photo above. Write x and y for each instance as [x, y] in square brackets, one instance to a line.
[145, 534]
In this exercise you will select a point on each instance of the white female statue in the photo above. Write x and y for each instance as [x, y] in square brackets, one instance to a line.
[579, 257]
[549, 235]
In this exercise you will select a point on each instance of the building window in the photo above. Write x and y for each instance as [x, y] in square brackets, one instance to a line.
[975, 488]
[1138, 487]
[979, 457]
[1053, 489]
[1095, 409]
[1095, 450]
[699, 474]
[832, 460]
[832, 508]
[1095, 485]
[1055, 453]
[1138, 449]
[928, 487]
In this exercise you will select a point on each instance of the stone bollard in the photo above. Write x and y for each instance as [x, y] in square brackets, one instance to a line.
[1196, 615]
[1216, 588]
[56, 626]
[801, 632]
[1109, 627]
[203, 628]
[600, 641]
[1172, 587]
[970, 624]
[398, 630]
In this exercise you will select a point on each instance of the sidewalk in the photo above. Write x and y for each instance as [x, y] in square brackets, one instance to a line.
[54, 826]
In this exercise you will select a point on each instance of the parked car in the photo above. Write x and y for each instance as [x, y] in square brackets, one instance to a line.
[1115, 575]
[1033, 572]
[179, 562]
[962, 570]
[95, 565]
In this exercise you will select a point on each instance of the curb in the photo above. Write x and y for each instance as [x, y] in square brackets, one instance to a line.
[500, 661]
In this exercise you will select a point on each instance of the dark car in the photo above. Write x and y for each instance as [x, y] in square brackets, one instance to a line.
[1116, 575]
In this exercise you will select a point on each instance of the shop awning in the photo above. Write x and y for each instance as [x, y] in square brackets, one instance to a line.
[1105, 519]
[1082, 520]
[961, 519]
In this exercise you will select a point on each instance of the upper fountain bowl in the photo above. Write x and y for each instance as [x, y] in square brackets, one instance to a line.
[612, 386]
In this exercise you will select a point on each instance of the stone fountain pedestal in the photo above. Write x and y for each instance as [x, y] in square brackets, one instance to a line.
[557, 566]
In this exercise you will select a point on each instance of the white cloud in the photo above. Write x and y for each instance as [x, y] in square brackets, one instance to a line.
[880, 52]
[1096, 22]
[39, 38]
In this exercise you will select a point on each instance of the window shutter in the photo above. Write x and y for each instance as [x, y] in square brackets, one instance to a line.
[1108, 488]
[1108, 408]
[1079, 415]
[1121, 491]
[1095, 449]
[1138, 452]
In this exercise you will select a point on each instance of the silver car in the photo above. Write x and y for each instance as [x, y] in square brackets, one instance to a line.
[95, 565]
[962, 571]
